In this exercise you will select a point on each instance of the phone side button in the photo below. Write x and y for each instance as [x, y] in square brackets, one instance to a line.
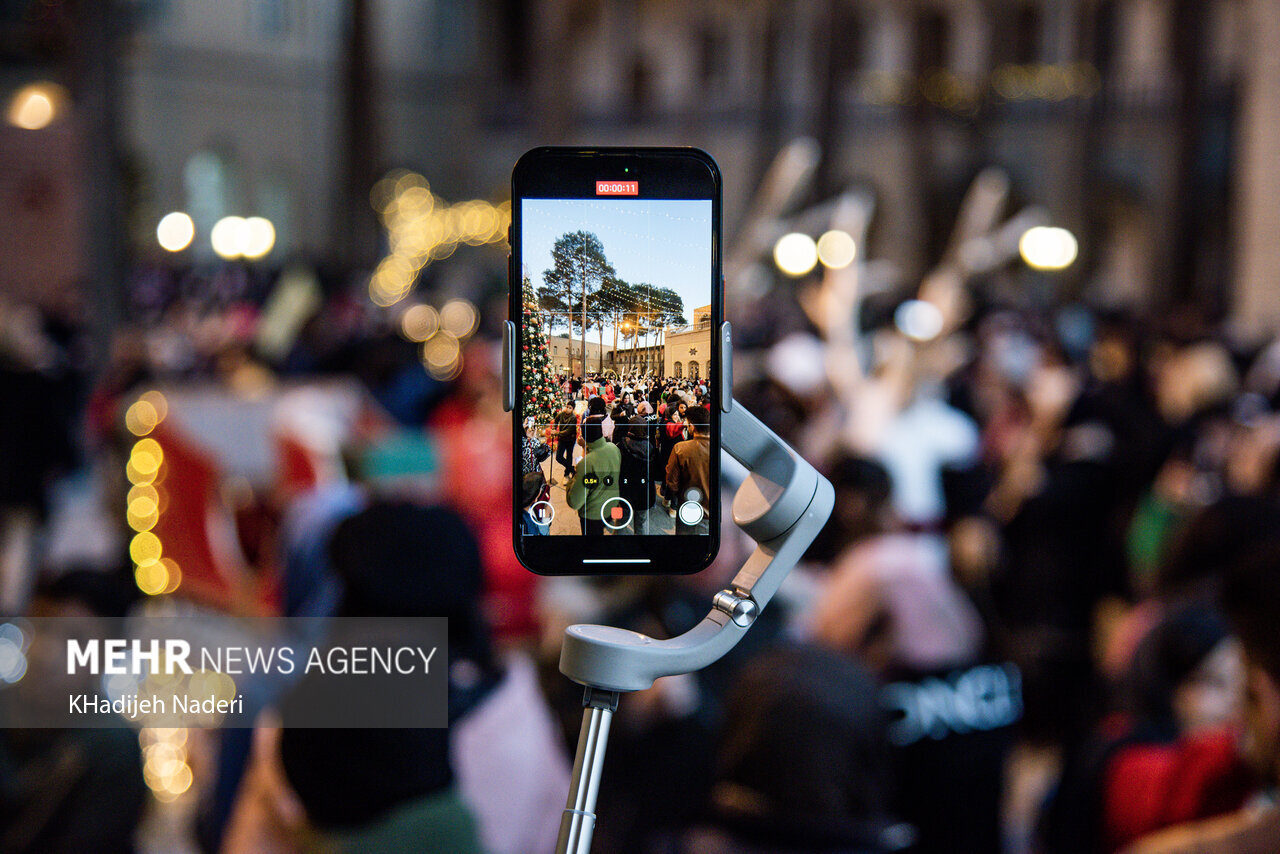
[508, 365]
[726, 367]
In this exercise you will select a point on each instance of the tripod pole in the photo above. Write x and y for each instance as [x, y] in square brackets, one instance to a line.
[579, 819]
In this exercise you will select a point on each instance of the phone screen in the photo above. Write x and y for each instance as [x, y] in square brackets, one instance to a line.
[618, 333]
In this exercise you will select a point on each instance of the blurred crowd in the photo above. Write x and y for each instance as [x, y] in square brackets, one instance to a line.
[1041, 618]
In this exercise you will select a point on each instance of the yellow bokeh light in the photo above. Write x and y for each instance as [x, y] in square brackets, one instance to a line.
[419, 322]
[837, 249]
[143, 514]
[1047, 247]
[145, 549]
[229, 237]
[795, 254]
[146, 457]
[175, 231]
[138, 477]
[259, 237]
[152, 579]
[141, 418]
[145, 490]
[441, 351]
[174, 572]
[179, 781]
[36, 105]
[459, 318]
[158, 402]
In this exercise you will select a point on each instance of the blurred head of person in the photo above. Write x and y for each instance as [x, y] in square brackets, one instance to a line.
[1251, 601]
[403, 559]
[596, 405]
[531, 488]
[1212, 541]
[592, 428]
[862, 508]
[1187, 674]
[804, 752]
[698, 419]
[1193, 380]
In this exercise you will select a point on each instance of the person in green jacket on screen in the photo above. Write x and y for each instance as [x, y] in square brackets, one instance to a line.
[596, 479]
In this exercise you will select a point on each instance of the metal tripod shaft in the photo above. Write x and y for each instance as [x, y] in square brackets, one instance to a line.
[579, 820]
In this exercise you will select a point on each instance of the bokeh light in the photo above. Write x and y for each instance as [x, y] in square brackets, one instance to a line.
[919, 320]
[422, 227]
[442, 356]
[1047, 247]
[13, 656]
[837, 249]
[146, 457]
[795, 254]
[164, 762]
[152, 578]
[141, 418]
[419, 322]
[259, 237]
[145, 549]
[459, 317]
[173, 573]
[175, 231]
[36, 105]
[229, 237]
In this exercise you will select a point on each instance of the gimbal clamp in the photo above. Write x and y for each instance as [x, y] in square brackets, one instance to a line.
[782, 505]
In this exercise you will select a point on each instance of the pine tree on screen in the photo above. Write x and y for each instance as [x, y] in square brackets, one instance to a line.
[535, 363]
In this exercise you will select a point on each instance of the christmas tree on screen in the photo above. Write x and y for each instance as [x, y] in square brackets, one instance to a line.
[535, 371]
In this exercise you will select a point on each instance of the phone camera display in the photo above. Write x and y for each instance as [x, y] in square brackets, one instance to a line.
[616, 349]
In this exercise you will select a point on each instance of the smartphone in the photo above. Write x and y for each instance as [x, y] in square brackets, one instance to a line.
[618, 350]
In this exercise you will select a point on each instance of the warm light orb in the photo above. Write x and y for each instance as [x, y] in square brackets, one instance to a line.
[1047, 247]
[229, 237]
[152, 578]
[145, 549]
[795, 254]
[175, 231]
[419, 322]
[837, 249]
[259, 237]
[459, 318]
[35, 106]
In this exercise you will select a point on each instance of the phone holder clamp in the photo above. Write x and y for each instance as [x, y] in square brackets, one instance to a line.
[782, 505]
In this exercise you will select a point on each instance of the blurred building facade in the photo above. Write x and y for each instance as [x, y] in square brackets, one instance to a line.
[1145, 126]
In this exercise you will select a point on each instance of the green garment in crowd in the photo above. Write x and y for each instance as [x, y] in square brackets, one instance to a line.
[595, 480]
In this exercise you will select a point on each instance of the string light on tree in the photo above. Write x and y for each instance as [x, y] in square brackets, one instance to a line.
[535, 364]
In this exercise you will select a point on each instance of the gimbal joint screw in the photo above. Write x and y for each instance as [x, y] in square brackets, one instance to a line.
[741, 609]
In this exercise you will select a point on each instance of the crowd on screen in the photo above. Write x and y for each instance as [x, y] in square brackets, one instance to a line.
[640, 438]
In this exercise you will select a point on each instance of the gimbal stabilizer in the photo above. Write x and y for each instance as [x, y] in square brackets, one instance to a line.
[782, 505]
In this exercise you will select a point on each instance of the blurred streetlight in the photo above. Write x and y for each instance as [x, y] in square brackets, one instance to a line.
[837, 249]
[795, 254]
[228, 237]
[1047, 247]
[36, 105]
[175, 231]
[235, 237]
[259, 237]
